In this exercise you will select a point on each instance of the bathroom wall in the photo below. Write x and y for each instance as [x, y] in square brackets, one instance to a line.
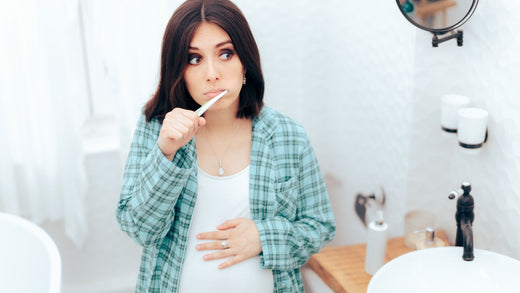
[344, 70]
[486, 69]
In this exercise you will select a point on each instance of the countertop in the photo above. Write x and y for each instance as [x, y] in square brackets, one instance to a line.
[342, 268]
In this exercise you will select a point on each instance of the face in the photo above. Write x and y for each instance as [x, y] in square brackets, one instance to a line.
[213, 66]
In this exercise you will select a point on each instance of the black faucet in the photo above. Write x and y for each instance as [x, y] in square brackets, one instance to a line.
[464, 218]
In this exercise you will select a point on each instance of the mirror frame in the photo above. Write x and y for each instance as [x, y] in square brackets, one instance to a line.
[441, 31]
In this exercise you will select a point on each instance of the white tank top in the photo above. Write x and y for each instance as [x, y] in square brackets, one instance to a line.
[220, 199]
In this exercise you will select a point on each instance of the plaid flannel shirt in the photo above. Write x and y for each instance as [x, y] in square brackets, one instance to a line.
[288, 199]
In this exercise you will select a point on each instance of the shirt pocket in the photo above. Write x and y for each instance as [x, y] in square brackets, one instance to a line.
[286, 197]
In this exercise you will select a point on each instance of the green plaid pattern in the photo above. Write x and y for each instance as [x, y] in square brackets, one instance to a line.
[288, 198]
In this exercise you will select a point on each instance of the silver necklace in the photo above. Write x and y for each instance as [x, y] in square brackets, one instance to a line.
[220, 170]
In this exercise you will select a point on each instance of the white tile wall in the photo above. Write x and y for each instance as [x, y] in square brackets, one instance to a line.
[486, 69]
[344, 70]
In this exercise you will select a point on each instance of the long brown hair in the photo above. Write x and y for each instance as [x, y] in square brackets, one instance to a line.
[171, 91]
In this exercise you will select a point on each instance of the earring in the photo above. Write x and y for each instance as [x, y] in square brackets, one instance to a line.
[244, 80]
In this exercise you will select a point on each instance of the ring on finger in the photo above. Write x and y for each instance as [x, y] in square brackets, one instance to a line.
[224, 244]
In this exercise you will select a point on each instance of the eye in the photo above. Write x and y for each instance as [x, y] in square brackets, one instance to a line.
[194, 59]
[226, 54]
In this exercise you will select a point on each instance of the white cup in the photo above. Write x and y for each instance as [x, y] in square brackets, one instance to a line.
[450, 105]
[472, 128]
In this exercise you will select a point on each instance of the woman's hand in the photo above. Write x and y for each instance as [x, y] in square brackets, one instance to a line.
[178, 127]
[241, 238]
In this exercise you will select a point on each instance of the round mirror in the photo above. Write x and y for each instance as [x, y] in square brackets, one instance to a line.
[437, 16]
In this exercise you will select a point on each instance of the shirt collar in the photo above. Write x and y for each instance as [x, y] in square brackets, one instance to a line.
[265, 122]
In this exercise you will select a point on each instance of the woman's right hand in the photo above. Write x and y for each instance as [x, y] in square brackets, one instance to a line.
[178, 127]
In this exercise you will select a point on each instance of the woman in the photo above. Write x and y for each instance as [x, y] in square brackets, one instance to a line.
[233, 201]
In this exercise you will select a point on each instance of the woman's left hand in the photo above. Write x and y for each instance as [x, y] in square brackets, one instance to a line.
[237, 238]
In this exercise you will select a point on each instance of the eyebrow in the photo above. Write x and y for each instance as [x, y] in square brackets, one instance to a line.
[216, 46]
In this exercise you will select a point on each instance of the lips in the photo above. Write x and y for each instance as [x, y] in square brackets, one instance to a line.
[213, 93]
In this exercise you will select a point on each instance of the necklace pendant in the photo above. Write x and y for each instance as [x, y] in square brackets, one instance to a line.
[220, 169]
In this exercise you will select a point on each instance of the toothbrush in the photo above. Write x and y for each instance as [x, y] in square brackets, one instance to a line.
[209, 103]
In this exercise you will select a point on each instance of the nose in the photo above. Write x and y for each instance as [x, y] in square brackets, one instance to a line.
[212, 72]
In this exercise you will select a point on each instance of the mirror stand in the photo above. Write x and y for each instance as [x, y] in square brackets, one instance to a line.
[452, 35]
[439, 17]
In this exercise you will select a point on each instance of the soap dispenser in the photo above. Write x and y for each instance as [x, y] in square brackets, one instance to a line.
[376, 244]
[429, 241]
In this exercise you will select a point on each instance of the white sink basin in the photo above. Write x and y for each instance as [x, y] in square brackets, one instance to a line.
[443, 270]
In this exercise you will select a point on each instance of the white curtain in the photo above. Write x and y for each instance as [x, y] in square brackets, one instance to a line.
[42, 106]
[123, 45]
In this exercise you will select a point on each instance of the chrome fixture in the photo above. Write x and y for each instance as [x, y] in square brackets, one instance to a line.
[464, 218]
[363, 202]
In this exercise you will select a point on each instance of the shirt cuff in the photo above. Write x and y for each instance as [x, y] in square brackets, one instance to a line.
[272, 239]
